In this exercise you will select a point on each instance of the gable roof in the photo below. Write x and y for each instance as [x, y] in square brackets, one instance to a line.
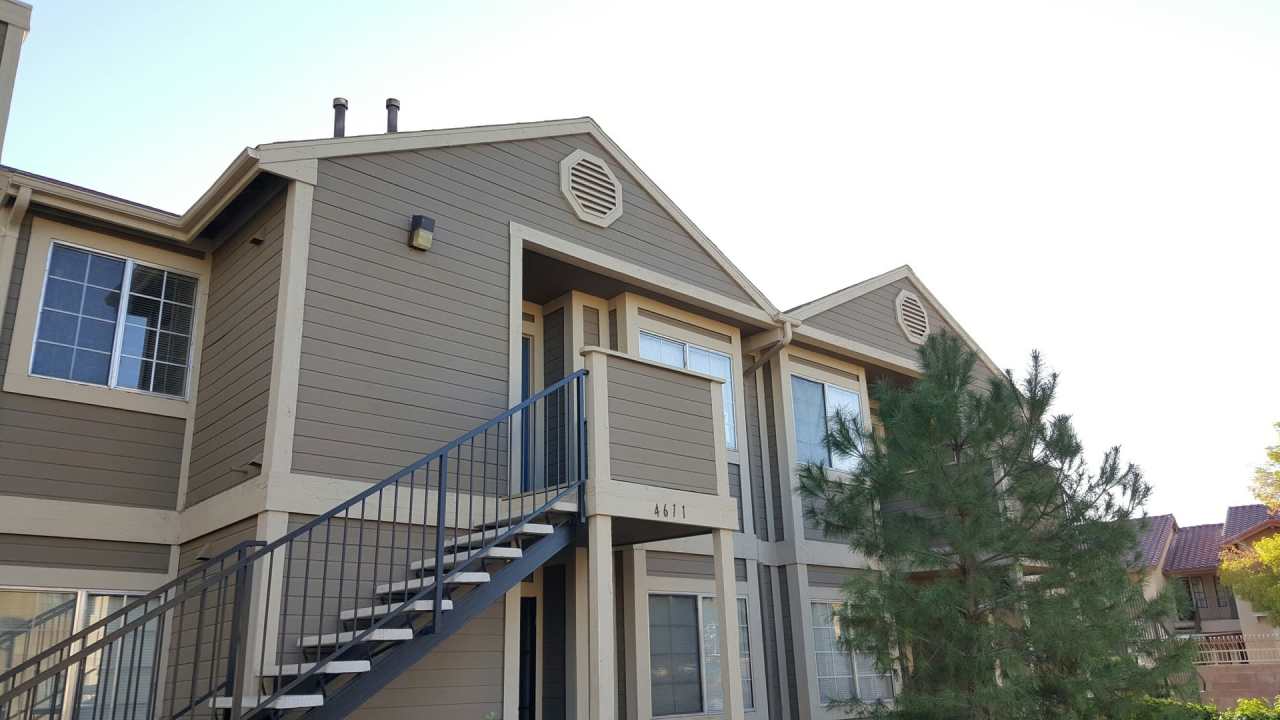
[1195, 549]
[1155, 533]
[840, 297]
[282, 153]
[1245, 520]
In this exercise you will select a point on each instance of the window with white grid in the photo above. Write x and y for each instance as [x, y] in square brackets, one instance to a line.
[111, 321]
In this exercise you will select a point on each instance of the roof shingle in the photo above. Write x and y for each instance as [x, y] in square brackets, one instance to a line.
[1245, 517]
[1195, 548]
[1153, 535]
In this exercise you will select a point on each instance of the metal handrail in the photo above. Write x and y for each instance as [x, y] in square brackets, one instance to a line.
[213, 577]
[122, 612]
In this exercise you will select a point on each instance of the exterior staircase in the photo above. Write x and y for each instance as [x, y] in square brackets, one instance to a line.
[317, 621]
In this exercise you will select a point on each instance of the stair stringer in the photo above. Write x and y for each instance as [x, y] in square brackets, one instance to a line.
[390, 665]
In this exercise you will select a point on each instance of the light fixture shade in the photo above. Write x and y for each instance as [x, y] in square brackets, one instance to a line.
[421, 232]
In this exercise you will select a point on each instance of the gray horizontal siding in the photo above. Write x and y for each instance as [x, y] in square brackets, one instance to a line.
[402, 351]
[872, 319]
[755, 458]
[206, 615]
[235, 365]
[685, 565]
[60, 552]
[590, 326]
[462, 678]
[824, 576]
[771, 437]
[686, 326]
[735, 489]
[72, 451]
[660, 430]
[521, 179]
[769, 631]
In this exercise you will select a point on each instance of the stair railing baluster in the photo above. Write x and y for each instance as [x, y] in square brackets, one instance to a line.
[439, 575]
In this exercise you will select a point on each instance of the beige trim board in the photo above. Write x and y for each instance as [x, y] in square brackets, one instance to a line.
[17, 378]
[81, 579]
[229, 506]
[604, 264]
[180, 228]
[861, 351]
[286, 359]
[10, 227]
[89, 521]
[15, 13]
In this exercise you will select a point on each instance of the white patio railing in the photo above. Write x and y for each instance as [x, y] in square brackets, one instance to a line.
[1236, 648]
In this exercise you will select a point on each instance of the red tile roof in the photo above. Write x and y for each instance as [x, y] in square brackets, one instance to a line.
[1242, 518]
[1194, 548]
[1153, 535]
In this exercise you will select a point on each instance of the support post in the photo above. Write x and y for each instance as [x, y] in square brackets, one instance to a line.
[636, 610]
[603, 696]
[727, 602]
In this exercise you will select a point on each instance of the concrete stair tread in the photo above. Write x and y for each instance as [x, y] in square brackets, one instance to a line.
[333, 667]
[462, 578]
[374, 611]
[483, 536]
[284, 702]
[494, 553]
[379, 635]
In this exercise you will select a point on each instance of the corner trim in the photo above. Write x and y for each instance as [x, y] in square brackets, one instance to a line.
[286, 359]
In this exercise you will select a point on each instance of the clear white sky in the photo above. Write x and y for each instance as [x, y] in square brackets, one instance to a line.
[1097, 180]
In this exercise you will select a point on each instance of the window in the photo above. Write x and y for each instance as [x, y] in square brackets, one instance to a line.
[1197, 593]
[691, 357]
[33, 621]
[673, 655]
[1223, 593]
[110, 321]
[684, 663]
[813, 404]
[842, 675]
[711, 654]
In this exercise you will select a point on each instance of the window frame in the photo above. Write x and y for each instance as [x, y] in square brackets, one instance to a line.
[853, 661]
[29, 274]
[126, 288]
[826, 420]
[698, 598]
[730, 412]
[82, 597]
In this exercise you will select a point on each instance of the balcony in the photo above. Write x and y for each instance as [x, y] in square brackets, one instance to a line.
[656, 448]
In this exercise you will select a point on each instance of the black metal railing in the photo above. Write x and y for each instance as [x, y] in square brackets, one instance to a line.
[208, 643]
[43, 630]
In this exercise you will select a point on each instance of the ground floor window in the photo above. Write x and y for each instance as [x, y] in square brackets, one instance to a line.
[32, 621]
[842, 675]
[684, 654]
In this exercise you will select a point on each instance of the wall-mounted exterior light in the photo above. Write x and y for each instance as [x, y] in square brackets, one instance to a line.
[421, 232]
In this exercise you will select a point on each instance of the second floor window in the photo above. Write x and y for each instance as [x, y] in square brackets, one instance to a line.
[110, 321]
[813, 404]
[674, 353]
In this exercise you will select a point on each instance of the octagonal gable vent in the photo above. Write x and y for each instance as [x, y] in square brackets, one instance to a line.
[591, 188]
[912, 317]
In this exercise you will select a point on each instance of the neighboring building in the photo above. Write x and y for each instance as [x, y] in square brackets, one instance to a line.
[1239, 650]
[240, 418]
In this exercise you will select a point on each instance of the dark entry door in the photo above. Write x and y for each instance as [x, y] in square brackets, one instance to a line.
[528, 656]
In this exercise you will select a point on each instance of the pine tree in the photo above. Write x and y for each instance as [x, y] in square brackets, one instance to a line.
[1006, 587]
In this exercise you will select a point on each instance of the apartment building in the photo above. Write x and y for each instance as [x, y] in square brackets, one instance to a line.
[470, 422]
[1238, 648]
